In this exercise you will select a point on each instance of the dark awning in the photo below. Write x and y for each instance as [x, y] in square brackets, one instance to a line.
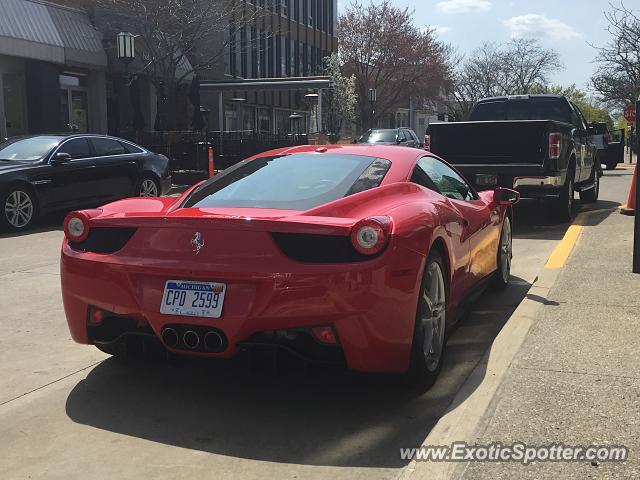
[52, 33]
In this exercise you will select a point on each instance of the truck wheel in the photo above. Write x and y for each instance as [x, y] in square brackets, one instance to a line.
[565, 202]
[612, 165]
[591, 195]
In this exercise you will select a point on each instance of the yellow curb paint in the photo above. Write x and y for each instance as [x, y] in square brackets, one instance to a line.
[626, 165]
[561, 253]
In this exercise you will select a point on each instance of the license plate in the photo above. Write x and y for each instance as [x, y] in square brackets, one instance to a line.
[482, 179]
[193, 299]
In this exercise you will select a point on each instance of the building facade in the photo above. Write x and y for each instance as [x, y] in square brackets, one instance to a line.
[52, 70]
[279, 39]
[58, 73]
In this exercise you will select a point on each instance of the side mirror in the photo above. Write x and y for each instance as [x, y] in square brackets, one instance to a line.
[505, 196]
[60, 158]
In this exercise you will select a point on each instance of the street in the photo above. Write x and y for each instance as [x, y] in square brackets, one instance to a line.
[69, 411]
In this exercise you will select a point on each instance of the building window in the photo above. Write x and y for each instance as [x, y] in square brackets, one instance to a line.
[244, 53]
[287, 57]
[264, 120]
[305, 60]
[270, 56]
[262, 61]
[254, 53]
[296, 10]
[297, 58]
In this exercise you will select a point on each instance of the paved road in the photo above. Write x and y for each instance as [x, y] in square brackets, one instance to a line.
[68, 411]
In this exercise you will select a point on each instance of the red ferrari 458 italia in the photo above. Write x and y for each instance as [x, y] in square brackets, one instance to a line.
[356, 254]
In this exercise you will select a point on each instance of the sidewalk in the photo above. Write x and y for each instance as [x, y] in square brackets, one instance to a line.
[576, 378]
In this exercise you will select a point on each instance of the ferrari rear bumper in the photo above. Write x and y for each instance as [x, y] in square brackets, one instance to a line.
[371, 306]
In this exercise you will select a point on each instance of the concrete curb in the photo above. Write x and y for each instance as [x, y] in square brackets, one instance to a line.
[469, 408]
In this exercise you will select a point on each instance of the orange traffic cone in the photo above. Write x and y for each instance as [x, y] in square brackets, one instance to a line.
[630, 207]
[212, 170]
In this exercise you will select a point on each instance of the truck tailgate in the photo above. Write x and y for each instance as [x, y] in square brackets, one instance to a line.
[491, 143]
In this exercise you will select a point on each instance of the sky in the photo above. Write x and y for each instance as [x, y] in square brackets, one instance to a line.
[568, 26]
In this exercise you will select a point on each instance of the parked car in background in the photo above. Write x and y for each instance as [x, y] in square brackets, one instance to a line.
[391, 136]
[601, 137]
[364, 256]
[615, 149]
[44, 173]
[539, 145]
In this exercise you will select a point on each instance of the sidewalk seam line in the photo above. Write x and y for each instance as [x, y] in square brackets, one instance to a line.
[50, 383]
[577, 373]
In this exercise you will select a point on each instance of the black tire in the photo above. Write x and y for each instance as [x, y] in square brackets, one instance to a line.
[591, 195]
[148, 187]
[503, 273]
[13, 200]
[564, 205]
[423, 372]
[612, 165]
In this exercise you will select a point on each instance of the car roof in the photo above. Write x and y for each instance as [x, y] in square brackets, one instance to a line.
[505, 98]
[65, 136]
[402, 158]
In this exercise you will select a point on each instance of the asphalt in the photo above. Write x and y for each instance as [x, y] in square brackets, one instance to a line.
[68, 411]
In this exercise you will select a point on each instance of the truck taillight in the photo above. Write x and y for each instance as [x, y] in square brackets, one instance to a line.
[427, 143]
[554, 145]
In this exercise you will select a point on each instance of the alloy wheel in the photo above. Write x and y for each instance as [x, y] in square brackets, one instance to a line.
[18, 209]
[148, 188]
[506, 249]
[433, 317]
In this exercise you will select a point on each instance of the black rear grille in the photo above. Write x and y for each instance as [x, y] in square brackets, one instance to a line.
[104, 239]
[318, 248]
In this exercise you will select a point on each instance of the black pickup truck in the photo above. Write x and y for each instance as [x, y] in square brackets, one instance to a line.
[538, 144]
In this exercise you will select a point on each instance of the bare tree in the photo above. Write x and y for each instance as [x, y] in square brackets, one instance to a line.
[526, 63]
[177, 38]
[382, 48]
[617, 79]
[341, 100]
[517, 67]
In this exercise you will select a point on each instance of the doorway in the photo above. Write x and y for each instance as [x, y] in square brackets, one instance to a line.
[74, 102]
[14, 105]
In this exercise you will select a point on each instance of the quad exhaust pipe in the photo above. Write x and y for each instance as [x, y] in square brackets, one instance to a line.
[193, 338]
[170, 337]
[213, 341]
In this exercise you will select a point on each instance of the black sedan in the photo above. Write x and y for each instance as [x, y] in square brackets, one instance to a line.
[44, 173]
[391, 136]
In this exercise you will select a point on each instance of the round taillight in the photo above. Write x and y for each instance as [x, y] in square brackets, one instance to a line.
[76, 227]
[371, 235]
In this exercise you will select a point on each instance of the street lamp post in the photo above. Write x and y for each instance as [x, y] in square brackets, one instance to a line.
[126, 54]
[126, 49]
[294, 118]
[373, 98]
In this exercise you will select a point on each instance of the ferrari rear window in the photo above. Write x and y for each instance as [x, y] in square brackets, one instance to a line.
[290, 182]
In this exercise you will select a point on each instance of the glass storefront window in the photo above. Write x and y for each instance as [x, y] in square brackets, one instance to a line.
[264, 120]
[74, 103]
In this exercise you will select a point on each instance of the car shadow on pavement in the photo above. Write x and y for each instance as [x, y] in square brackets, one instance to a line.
[328, 417]
[535, 220]
[47, 223]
